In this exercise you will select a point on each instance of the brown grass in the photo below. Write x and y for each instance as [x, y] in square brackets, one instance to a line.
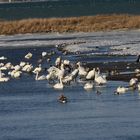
[73, 24]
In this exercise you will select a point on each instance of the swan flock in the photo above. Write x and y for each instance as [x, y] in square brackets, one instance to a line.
[60, 74]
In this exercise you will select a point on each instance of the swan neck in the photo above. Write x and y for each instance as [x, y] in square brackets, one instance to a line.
[61, 81]
[96, 74]
[0, 74]
[36, 77]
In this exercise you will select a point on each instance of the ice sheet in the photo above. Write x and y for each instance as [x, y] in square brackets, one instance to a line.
[114, 42]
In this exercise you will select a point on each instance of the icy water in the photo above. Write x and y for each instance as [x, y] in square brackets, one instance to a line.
[29, 109]
[67, 8]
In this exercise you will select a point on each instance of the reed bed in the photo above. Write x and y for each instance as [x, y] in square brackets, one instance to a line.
[72, 24]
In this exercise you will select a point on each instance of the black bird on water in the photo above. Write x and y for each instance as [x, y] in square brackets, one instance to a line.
[138, 59]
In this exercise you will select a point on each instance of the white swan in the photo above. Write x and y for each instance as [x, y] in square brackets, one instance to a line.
[3, 58]
[48, 77]
[82, 71]
[91, 74]
[22, 64]
[3, 68]
[29, 55]
[15, 73]
[133, 81]
[56, 72]
[17, 67]
[59, 85]
[42, 77]
[2, 74]
[44, 54]
[88, 85]
[137, 70]
[1, 64]
[66, 62]
[3, 79]
[37, 69]
[61, 72]
[9, 65]
[52, 73]
[27, 68]
[100, 79]
[121, 90]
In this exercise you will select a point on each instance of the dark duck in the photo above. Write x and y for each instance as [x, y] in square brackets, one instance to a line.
[62, 99]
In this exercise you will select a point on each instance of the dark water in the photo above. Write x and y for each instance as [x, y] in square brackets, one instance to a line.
[67, 8]
[29, 109]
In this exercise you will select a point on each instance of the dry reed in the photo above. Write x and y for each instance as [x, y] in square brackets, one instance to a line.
[72, 24]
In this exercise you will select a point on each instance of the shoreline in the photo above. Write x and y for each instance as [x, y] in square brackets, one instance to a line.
[71, 24]
[121, 71]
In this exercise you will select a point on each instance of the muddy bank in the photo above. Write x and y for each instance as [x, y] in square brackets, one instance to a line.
[118, 71]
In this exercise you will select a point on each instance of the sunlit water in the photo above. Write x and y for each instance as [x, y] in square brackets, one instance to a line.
[29, 109]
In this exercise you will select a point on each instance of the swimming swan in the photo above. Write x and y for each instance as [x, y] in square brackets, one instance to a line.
[82, 71]
[133, 81]
[29, 55]
[121, 90]
[3, 79]
[59, 85]
[100, 79]
[37, 69]
[88, 85]
[42, 77]
[91, 74]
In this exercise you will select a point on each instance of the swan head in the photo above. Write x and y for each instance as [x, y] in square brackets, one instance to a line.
[78, 63]
[97, 69]
[66, 62]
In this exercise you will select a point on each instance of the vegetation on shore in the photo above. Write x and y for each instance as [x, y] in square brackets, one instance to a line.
[72, 24]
